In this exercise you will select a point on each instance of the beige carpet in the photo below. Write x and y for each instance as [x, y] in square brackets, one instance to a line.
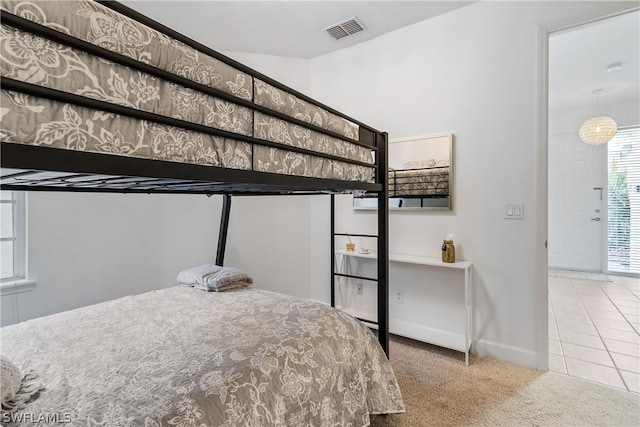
[440, 390]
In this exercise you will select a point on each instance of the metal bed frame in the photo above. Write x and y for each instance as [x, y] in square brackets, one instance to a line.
[39, 168]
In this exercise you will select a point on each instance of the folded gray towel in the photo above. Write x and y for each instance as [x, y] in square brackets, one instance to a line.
[214, 277]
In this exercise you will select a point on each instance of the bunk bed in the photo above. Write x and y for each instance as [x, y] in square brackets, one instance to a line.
[99, 98]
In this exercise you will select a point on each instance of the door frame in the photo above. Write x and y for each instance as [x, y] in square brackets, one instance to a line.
[542, 172]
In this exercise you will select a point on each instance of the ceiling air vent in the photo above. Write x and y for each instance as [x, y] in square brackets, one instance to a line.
[345, 28]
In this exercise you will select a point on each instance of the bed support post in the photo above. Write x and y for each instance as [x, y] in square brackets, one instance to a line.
[333, 250]
[383, 243]
[224, 227]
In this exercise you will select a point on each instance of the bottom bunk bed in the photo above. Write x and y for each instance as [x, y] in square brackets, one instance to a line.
[181, 356]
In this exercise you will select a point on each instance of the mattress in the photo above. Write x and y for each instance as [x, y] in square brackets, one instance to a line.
[45, 62]
[180, 356]
[424, 182]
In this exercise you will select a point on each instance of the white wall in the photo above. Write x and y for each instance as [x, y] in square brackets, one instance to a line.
[87, 248]
[269, 238]
[473, 72]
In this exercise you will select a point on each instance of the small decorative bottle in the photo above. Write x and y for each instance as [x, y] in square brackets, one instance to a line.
[350, 245]
[448, 251]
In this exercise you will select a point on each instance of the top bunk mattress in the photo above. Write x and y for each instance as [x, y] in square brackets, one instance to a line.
[78, 75]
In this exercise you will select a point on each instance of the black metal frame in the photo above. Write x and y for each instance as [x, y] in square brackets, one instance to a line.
[39, 168]
[79, 171]
[224, 228]
[382, 277]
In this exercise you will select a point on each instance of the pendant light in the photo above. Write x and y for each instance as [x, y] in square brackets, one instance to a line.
[598, 130]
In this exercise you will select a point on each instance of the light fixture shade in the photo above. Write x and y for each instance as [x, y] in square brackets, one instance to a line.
[598, 130]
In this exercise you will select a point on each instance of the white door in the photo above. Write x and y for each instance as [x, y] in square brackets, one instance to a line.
[577, 203]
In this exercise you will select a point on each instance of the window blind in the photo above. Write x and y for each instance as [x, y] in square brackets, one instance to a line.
[7, 235]
[624, 202]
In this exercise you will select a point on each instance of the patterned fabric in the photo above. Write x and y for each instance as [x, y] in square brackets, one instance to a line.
[276, 130]
[30, 120]
[36, 121]
[184, 357]
[419, 182]
[70, 70]
[99, 25]
[283, 102]
[279, 161]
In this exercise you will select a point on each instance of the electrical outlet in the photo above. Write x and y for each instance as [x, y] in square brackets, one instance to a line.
[359, 289]
[399, 297]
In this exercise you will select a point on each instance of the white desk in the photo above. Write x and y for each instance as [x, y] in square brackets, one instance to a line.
[437, 262]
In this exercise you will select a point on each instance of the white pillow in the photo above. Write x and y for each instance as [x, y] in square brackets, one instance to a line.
[17, 388]
[10, 381]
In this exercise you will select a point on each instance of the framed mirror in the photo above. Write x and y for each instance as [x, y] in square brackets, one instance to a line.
[420, 174]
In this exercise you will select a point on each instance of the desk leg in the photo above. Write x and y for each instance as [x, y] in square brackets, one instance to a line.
[468, 314]
[340, 270]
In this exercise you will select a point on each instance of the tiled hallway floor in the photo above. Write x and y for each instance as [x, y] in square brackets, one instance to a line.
[594, 330]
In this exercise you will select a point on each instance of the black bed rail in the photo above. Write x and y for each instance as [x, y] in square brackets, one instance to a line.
[24, 162]
[353, 276]
[356, 235]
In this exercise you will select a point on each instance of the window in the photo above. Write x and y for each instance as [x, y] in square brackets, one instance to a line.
[624, 202]
[12, 236]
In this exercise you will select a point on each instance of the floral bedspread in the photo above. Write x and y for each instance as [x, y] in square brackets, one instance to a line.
[183, 357]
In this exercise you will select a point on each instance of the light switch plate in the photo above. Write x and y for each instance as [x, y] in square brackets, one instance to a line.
[514, 211]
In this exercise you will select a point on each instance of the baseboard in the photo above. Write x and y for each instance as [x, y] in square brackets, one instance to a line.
[485, 348]
[430, 335]
[515, 355]
[416, 331]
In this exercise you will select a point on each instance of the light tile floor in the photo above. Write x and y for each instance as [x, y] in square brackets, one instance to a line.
[594, 330]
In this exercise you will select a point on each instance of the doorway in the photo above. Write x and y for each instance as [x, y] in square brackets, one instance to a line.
[593, 314]
[593, 71]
